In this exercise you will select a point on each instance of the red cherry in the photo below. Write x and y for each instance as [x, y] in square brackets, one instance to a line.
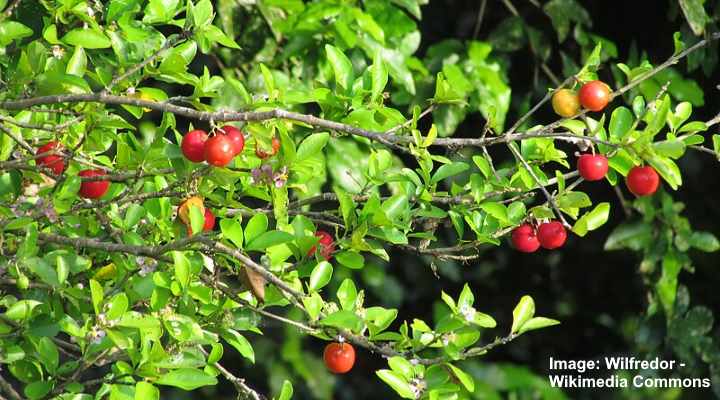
[339, 357]
[209, 221]
[592, 167]
[219, 151]
[93, 189]
[193, 145]
[524, 239]
[235, 136]
[327, 245]
[642, 181]
[551, 235]
[594, 95]
[53, 161]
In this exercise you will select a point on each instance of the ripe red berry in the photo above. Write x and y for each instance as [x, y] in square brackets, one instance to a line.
[54, 162]
[592, 167]
[594, 95]
[524, 239]
[93, 189]
[209, 221]
[235, 136]
[339, 357]
[219, 151]
[565, 103]
[642, 181]
[193, 145]
[327, 245]
[551, 235]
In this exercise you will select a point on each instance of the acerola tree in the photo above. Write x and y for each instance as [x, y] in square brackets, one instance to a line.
[317, 143]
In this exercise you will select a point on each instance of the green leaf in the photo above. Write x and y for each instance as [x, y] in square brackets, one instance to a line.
[231, 229]
[573, 200]
[379, 75]
[97, 294]
[118, 306]
[695, 15]
[312, 145]
[464, 378]
[497, 210]
[397, 382]
[38, 390]
[673, 148]
[592, 219]
[659, 118]
[239, 342]
[146, 391]
[197, 218]
[133, 215]
[320, 275]
[21, 309]
[48, 354]
[77, 63]
[12, 30]
[287, 391]
[186, 379]
[257, 225]
[268, 239]
[667, 169]
[215, 34]
[347, 294]
[341, 65]
[522, 313]
[621, 121]
[182, 269]
[401, 366]
[202, 13]
[448, 170]
[537, 323]
[633, 236]
[350, 259]
[704, 241]
[88, 38]
[343, 319]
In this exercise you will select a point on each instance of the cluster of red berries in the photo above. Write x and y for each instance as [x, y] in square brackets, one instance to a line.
[550, 235]
[88, 189]
[594, 96]
[217, 150]
[641, 181]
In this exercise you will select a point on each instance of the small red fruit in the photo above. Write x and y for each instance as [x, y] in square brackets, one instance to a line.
[327, 245]
[209, 221]
[565, 103]
[551, 235]
[339, 357]
[275, 148]
[592, 167]
[594, 95]
[93, 189]
[219, 151]
[235, 136]
[209, 224]
[193, 145]
[642, 181]
[524, 239]
[54, 162]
